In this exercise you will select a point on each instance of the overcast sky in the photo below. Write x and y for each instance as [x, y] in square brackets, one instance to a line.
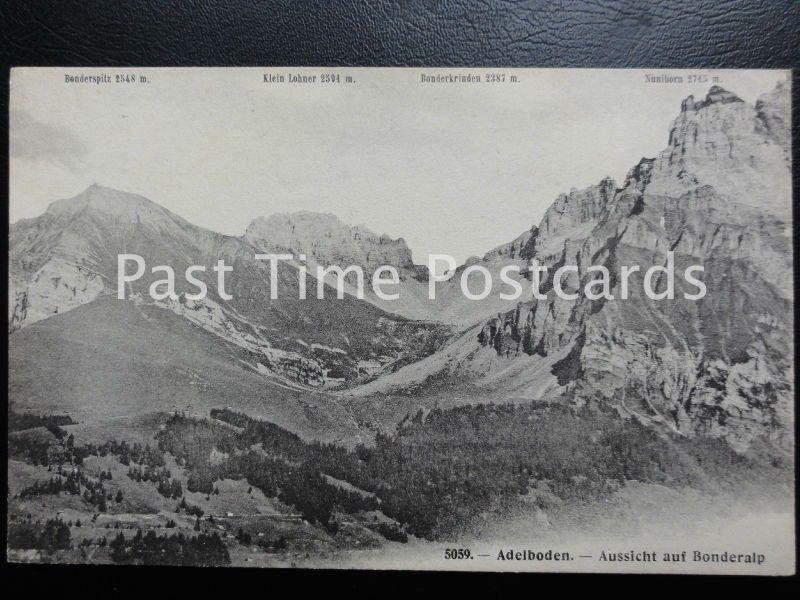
[452, 168]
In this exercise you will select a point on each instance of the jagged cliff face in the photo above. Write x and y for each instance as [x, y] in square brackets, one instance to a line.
[718, 196]
[740, 150]
[325, 241]
[68, 257]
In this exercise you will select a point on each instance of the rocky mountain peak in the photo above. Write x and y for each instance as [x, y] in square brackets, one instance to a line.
[728, 144]
[101, 198]
[579, 206]
[108, 203]
[325, 239]
[718, 196]
[717, 367]
[716, 95]
[297, 226]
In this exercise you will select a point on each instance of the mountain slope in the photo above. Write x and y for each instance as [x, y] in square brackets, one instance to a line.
[112, 359]
[717, 196]
[68, 257]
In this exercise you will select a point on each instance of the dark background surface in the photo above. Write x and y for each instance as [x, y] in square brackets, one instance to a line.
[702, 33]
[665, 34]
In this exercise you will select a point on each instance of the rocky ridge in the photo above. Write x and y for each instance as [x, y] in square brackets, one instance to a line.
[717, 196]
[68, 257]
[324, 241]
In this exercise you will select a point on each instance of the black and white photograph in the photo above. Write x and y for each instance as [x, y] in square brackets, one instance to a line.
[411, 318]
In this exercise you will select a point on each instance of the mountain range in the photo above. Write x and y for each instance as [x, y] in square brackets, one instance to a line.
[718, 195]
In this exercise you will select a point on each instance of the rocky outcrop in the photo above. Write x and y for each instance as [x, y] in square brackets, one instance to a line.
[717, 196]
[732, 146]
[774, 111]
[322, 240]
[325, 240]
[56, 287]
